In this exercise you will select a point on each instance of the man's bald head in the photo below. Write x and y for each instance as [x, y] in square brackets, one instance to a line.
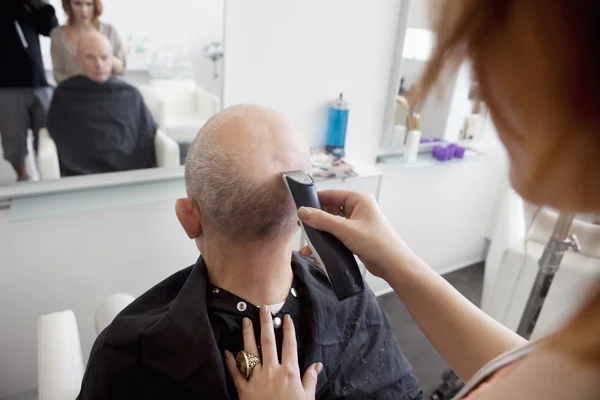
[233, 172]
[95, 54]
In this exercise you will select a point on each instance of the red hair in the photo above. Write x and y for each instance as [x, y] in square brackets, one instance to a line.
[567, 34]
[66, 4]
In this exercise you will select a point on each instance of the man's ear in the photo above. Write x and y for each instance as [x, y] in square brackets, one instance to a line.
[189, 217]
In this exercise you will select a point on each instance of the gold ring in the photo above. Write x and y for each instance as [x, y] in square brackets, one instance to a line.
[246, 362]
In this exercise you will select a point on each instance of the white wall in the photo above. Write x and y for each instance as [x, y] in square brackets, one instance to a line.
[443, 211]
[298, 56]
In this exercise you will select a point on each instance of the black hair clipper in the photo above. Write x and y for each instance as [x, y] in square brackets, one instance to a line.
[337, 261]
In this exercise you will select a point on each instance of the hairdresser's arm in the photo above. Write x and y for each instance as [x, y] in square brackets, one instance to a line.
[464, 335]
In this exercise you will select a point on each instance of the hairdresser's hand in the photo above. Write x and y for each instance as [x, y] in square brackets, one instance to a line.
[365, 230]
[272, 380]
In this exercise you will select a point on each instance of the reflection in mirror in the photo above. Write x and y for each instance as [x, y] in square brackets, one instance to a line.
[452, 112]
[95, 86]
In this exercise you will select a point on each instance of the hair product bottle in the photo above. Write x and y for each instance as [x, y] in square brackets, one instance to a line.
[336, 128]
[413, 138]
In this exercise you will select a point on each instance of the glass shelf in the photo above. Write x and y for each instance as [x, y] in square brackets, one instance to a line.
[425, 159]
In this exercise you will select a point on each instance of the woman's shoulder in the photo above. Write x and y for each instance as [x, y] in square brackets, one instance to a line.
[106, 29]
[57, 32]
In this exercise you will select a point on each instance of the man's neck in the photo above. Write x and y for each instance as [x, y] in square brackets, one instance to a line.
[260, 273]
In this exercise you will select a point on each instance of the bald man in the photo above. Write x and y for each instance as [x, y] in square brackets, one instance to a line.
[99, 122]
[169, 343]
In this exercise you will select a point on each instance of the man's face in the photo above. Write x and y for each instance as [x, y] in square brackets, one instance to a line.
[96, 61]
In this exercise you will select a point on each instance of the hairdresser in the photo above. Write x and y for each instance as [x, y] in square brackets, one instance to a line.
[83, 17]
[538, 69]
[24, 92]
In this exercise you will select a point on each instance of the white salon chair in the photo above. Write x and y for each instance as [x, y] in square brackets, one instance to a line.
[166, 149]
[512, 265]
[179, 106]
[60, 360]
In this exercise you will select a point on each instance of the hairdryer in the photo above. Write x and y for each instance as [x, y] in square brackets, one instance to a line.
[337, 261]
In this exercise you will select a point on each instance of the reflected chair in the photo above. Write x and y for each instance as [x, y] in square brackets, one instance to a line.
[512, 265]
[166, 150]
[60, 360]
[179, 106]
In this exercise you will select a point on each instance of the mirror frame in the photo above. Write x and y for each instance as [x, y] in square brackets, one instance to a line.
[111, 179]
[395, 74]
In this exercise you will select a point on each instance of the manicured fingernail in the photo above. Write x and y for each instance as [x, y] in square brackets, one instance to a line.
[319, 368]
[264, 310]
[287, 319]
[227, 354]
[246, 321]
[304, 212]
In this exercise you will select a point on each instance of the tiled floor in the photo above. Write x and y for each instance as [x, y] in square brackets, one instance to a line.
[427, 364]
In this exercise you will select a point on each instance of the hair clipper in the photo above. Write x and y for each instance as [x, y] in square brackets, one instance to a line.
[336, 260]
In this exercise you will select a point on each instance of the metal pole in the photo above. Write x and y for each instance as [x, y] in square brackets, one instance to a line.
[559, 243]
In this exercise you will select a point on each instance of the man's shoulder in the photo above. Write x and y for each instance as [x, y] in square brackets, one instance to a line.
[76, 84]
[72, 82]
[146, 310]
[117, 83]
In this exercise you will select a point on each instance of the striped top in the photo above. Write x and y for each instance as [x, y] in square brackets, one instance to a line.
[493, 371]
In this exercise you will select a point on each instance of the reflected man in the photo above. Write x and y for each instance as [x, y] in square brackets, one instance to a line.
[99, 122]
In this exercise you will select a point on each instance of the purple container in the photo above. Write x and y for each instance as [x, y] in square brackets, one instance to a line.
[450, 151]
[459, 152]
[424, 140]
[437, 139]
[439, 153]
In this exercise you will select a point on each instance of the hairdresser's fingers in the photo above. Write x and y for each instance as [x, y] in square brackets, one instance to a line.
[323, 221]
[335, 210]
[238, 380]
[267, 339]
[289, 348]
[249, 339]
[339, 198]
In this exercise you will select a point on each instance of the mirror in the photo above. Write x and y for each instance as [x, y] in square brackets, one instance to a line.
[452, 112]
[133, 99]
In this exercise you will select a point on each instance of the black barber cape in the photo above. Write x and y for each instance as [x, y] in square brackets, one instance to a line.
[169, 343]
[101, 127]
